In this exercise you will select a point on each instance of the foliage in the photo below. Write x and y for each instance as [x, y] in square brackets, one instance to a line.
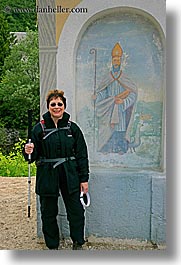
[20, 14]
[6, 40]
[19, 88]
[14, 164]
[8, 138]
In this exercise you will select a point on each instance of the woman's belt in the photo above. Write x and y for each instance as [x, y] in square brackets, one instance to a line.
[58, 161]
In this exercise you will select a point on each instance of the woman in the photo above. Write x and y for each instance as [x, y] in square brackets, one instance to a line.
[60, 152]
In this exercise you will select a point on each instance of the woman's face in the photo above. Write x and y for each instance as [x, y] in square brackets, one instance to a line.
[56, 108]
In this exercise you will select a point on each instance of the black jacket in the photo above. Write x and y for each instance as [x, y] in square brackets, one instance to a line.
[63, 143]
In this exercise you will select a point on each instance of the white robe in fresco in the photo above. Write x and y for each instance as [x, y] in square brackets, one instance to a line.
[108, 112]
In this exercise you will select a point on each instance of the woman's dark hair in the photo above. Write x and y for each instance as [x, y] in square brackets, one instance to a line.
[55, 93]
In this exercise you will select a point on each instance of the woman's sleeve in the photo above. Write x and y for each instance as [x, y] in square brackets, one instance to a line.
[81, 154]
[34, 140]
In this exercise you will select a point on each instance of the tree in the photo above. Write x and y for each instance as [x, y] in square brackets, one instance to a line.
[6, 40]
[19, 89]
[20, 14]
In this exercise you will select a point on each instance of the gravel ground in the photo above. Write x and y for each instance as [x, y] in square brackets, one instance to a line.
[18, 232]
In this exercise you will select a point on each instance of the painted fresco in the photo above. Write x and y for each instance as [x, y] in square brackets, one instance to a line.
[119, 90]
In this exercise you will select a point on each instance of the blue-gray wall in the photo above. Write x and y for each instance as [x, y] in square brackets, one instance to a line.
[127, 205]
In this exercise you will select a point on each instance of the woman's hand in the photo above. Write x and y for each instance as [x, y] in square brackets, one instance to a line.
[29, 148]
[84, 187]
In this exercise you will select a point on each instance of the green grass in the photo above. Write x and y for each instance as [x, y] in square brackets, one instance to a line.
[14, 164]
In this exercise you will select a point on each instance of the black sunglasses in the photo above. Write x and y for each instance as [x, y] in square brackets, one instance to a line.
[59, 104]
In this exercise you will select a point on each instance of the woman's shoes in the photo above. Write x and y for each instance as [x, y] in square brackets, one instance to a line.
[77, 246]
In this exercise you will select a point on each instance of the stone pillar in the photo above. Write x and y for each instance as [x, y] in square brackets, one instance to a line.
[47, 49]
[47, 63]
[127, 191]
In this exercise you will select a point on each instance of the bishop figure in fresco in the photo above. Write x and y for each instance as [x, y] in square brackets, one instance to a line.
[115, 101]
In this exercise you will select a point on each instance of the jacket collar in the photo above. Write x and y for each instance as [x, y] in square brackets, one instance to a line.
[50, 123]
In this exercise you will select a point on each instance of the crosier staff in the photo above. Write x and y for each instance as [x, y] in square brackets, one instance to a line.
[29, 160]
[94, 52]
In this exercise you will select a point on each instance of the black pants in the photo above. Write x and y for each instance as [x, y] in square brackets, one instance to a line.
[75, 215]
